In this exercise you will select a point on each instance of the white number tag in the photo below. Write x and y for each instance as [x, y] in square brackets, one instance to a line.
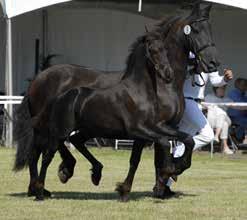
[187, 29]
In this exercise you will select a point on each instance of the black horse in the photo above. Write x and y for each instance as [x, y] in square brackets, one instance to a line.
[58, 79]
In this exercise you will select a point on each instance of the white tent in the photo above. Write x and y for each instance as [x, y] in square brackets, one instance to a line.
[235, 3]
[16, 7]
[13, 8]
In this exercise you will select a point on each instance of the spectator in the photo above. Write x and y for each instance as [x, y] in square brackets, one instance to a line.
[218, 118]
[239, 117]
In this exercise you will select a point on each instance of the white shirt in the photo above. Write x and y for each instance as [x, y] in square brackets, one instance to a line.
[197, 92]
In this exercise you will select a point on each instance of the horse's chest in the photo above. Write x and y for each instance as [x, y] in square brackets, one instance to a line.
[169, 108]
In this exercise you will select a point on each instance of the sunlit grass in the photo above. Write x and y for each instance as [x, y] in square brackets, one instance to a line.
[211, 189]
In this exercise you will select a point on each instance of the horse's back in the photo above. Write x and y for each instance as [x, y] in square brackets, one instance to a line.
[61, 78]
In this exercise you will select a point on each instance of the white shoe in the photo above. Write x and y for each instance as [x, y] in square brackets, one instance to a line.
[228, 151]
[178, 150]
[216, 139]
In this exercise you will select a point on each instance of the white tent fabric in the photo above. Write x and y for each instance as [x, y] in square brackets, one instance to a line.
[16, 7]
[13, 8]
[234, 3]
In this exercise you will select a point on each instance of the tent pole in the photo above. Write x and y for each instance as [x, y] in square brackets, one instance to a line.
[44, 33]
[9, 82]
[140, 6]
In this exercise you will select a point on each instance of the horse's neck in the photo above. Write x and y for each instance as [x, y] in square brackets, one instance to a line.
[178, 62]
[137, 72]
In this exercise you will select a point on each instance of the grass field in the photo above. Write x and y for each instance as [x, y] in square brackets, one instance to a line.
[211, 189]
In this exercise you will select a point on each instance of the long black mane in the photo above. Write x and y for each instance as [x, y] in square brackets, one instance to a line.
[162, 29]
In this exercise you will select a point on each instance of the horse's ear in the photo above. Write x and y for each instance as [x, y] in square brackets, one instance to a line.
[206, 11]
[196, 10]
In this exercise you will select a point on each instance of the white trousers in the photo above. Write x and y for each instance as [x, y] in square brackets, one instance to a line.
[220, 121]
[196, 124]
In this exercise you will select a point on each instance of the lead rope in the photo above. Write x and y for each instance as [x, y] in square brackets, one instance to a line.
[194, 83]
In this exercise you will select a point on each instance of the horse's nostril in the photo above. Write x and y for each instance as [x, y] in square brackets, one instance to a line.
[214, 63]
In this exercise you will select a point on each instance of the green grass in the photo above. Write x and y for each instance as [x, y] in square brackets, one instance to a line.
[211, 189]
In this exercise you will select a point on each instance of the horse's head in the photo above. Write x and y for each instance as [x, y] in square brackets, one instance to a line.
[156, 54]
[198, 39]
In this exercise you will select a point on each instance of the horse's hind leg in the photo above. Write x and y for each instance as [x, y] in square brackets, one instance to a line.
[33, 168]
[125, 187]
[46, 160]
[66, 168]
[78, 141]
[33, 171]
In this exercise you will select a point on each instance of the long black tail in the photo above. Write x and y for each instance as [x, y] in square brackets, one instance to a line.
[23, 135]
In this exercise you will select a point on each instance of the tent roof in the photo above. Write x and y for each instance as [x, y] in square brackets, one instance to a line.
[234, 3]
[13, 8]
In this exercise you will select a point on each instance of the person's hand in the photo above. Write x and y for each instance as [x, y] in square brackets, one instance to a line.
[228, 75]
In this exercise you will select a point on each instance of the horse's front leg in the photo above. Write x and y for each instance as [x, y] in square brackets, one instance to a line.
[124, 188]
[66, 168]
[184, 162]
[164, 167]
[177, 165]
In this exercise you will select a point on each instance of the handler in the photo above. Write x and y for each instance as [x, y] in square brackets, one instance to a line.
[193, 121]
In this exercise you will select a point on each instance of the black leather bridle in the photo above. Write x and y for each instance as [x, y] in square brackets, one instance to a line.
[198, 57]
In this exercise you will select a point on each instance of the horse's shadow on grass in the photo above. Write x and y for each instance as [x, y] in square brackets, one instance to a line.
[134, 196]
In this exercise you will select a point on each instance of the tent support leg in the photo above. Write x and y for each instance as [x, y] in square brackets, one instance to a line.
[9, 82]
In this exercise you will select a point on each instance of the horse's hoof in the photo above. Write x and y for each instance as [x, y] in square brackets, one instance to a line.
[124, 198]
[66, 171]
[63, 175]
[123, 191]
[163, 193]
[47, 193]
[39, 198]
[168, 193]
[120, 188]
[158, 192]
[96, 174]
[31, 193]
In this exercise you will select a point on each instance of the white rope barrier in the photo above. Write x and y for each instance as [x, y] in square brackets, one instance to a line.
[10, 102]
[240, 105]
[7, 100]
[5, 97]
[7, 134]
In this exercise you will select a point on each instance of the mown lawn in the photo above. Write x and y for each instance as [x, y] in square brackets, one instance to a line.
[211, 189]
